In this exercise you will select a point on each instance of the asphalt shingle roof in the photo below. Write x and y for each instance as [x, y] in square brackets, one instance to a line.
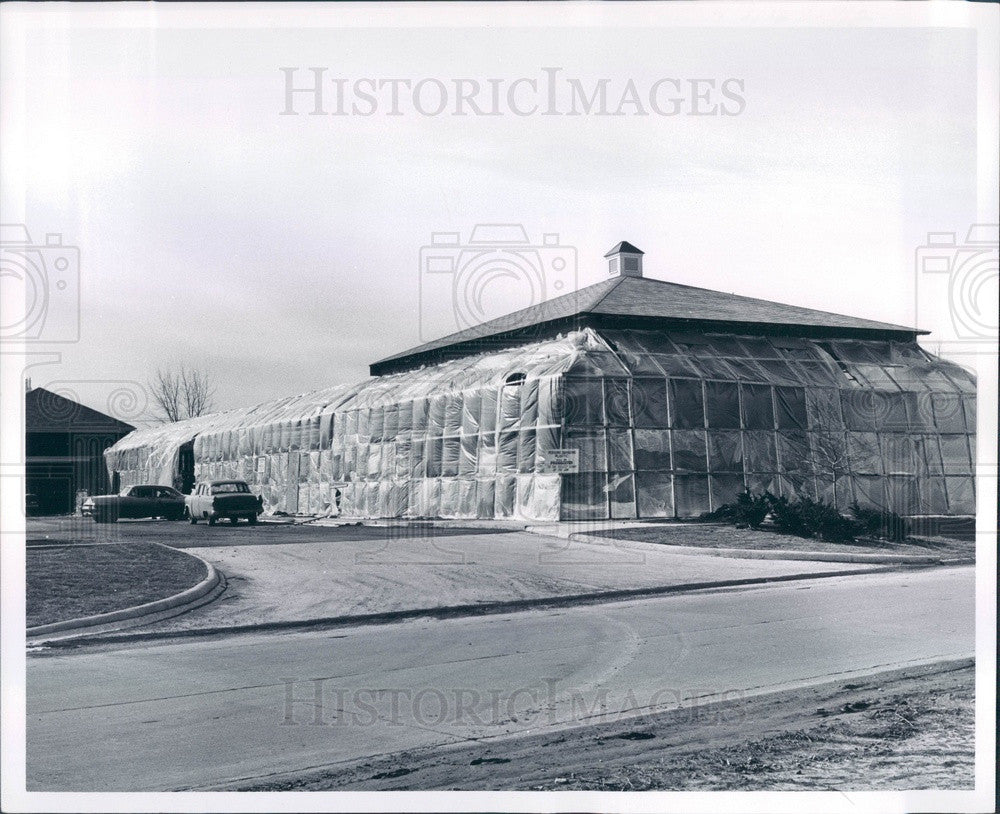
[626, 247]
[45, 411]
[643, 297]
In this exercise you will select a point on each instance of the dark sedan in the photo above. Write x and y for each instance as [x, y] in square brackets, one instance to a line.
[136, 502]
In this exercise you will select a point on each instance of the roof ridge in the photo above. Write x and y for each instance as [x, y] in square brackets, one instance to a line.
[607, 292]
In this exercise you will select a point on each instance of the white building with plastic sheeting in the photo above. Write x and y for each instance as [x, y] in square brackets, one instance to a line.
[630, 398]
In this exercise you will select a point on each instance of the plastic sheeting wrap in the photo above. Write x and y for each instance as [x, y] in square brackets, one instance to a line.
[462, 439]
[153, 455]
[881, 423]
[665, 424]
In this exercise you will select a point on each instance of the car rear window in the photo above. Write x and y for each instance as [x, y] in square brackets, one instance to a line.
[229, 488]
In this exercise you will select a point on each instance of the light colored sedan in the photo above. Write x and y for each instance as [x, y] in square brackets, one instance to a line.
[219, 499]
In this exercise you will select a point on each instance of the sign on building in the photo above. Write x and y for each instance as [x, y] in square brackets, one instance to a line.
[560, 461]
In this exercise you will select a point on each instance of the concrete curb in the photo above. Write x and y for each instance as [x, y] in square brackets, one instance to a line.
[205, 591]
[468, 610]
[958, 561]
[773, 554]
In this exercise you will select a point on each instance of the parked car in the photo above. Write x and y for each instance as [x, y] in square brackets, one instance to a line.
[142, 500]
[214, 500]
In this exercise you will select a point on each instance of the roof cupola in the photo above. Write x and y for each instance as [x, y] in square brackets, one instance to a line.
[625, 260]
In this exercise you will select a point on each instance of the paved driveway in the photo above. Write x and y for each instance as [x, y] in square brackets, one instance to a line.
[288, 573]
[308, 572]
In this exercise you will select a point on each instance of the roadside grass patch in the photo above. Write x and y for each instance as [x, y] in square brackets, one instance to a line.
[73, 581]
[722, 535]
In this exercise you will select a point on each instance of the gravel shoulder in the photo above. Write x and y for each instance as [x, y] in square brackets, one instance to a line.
[902, 730]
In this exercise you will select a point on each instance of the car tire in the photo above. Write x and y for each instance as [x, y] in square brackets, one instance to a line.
[252, 520]
[211, 521]
[233, 521]
[190, 517]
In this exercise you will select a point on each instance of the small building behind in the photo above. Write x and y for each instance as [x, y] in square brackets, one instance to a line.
[64, 450]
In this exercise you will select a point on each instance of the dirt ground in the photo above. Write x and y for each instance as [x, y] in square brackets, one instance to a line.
[67, 582]
[717, 535]
[902, 730]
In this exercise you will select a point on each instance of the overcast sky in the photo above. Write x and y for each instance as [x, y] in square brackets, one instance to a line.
[283, 253]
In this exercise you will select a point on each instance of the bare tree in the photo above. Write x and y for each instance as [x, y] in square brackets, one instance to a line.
[199, 393]
[166, 392]
[182, 393]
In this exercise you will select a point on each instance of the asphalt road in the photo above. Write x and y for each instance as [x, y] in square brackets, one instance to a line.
[198, 713]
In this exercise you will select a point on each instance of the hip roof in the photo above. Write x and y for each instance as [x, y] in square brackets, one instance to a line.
[643, 298]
